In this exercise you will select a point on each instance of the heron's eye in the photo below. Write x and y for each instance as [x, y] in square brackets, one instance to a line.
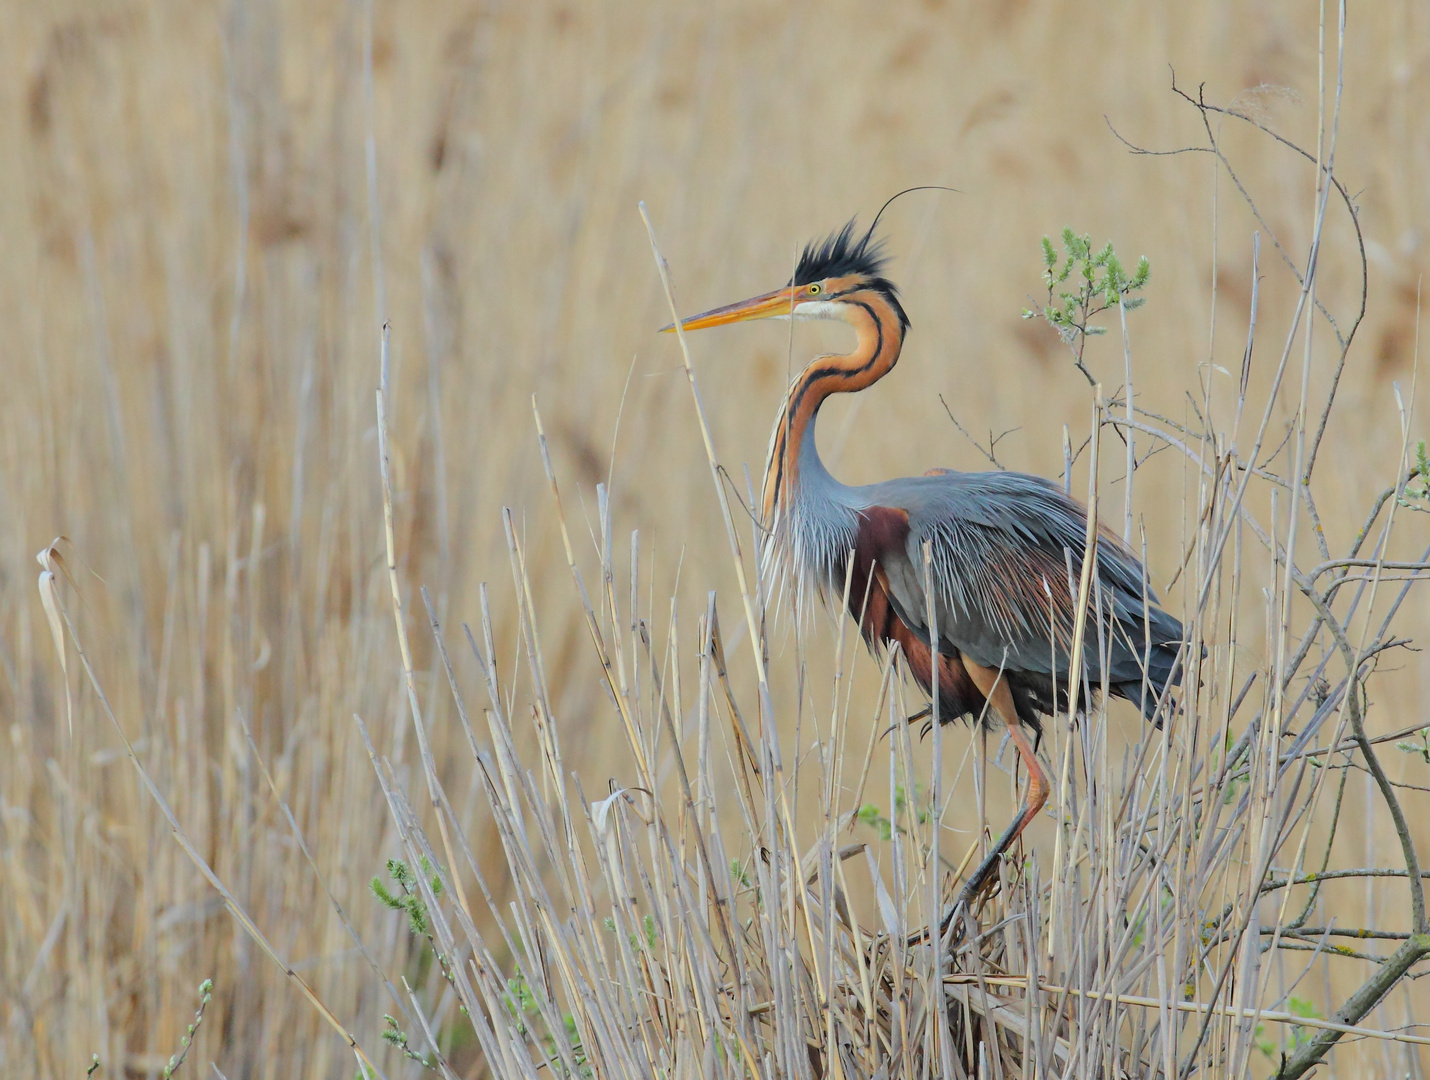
[814, 290]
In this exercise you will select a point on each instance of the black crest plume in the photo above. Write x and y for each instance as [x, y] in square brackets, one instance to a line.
[848, 252]
[839, 254]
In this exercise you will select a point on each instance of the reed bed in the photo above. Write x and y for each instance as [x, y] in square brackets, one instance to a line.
[713, 913]
[752, 890]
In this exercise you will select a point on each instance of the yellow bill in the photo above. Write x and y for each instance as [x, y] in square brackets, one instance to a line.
[767, 305]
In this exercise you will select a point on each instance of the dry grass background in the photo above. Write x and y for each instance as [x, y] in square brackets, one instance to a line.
[191, 303]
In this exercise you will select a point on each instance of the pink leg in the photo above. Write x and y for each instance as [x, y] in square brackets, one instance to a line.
[994, 686]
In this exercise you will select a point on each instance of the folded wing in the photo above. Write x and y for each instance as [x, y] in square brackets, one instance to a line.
[1006, 554]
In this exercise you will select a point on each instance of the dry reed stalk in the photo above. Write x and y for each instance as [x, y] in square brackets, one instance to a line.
[710, 913]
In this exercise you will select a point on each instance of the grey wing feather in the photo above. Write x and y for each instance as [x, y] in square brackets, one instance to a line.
[1001, 545]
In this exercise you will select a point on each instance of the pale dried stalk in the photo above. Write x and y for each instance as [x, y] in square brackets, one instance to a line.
[235, 909]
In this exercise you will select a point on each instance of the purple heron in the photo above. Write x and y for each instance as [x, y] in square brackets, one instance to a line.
[1006, 547]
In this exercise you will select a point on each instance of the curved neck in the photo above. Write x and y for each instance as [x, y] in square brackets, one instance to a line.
[792, 454]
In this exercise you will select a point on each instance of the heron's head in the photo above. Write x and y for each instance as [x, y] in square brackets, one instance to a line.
[831, 280]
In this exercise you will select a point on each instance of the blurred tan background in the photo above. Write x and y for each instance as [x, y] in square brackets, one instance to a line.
[191, 297]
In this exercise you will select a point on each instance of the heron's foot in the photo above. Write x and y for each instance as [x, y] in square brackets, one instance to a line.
[957, 916]
[982, 881]
[923, 714]
[926, 715]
